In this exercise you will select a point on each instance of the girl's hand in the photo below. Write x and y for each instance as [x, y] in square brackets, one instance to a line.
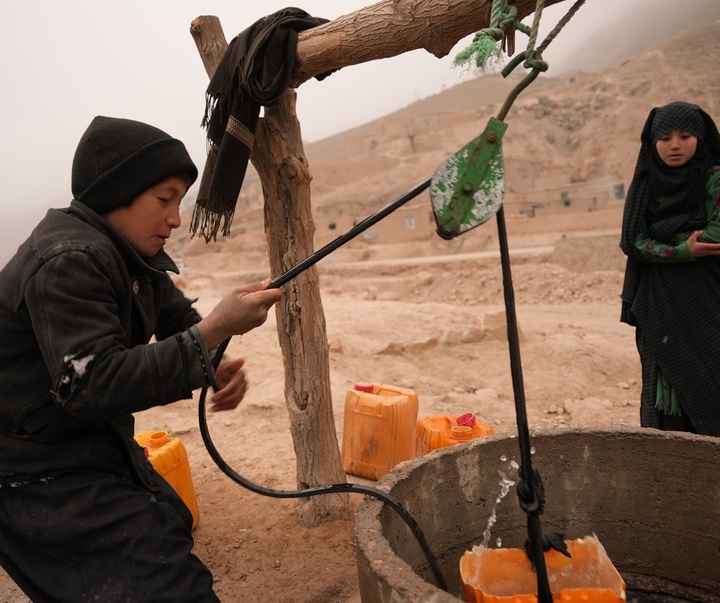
[698, 249]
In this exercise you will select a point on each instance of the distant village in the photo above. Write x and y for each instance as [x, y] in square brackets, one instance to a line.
[415, 221]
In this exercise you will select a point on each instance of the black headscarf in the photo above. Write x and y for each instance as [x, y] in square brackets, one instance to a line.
[669, 199]
[666, 199]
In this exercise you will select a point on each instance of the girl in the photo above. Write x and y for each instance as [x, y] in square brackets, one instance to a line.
[671, 236]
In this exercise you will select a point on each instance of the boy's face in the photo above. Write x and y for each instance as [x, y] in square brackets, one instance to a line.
[676, 148]
[150, 219]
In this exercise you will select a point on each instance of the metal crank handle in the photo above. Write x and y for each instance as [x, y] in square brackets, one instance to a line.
[348, 236]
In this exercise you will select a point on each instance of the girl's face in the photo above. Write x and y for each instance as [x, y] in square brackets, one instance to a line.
[676, 148]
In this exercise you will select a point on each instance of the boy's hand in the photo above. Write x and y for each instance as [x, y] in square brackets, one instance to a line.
[232, 385]
[238, 312]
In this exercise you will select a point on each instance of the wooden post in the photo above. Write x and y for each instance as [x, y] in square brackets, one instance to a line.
[384, 29]
[279, 158]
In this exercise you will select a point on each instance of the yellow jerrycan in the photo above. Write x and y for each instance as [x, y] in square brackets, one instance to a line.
[378, 428]
[169, 458]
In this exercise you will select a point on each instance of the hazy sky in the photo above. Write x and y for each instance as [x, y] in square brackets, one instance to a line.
[64, 62]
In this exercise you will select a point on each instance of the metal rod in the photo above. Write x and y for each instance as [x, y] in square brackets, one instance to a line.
[349, 235]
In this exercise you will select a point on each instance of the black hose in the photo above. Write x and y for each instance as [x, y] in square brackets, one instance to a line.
[392, 502]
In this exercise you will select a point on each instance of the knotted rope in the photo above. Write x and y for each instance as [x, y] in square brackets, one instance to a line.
[489, 43]
[485, 48]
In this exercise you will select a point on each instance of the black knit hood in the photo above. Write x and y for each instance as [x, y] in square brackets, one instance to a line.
[119, 159]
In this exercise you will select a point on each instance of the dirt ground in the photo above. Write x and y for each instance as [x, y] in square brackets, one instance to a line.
[433, 324]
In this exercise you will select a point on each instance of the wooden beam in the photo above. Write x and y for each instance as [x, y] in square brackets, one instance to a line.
[393, 27]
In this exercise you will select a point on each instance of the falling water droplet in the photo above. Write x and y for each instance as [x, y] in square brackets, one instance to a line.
[498, 542]
[505, 485]
[514, 464]
[490, 524]
[503, 458]
[532, 450]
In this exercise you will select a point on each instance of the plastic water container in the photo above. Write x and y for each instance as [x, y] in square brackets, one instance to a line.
[169, 458]
[506, 576]
[447, 430]
[378, 429]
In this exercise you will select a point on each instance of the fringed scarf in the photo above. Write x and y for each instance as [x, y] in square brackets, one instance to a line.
[254, 72]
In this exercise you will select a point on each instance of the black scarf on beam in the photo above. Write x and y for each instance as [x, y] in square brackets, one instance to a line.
[254, 72]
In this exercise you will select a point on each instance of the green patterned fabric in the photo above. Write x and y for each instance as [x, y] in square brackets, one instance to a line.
[666, 399]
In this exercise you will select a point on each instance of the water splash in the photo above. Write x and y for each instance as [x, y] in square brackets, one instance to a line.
[505, 485]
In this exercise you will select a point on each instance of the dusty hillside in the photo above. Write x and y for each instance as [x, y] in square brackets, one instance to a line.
[646, 22]
[563, 131]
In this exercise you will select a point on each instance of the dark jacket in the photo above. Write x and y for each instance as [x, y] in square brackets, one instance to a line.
[78, 308]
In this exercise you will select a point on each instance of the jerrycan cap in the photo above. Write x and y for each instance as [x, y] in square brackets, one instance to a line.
[467, 420]
[364, 386]
[158, 439]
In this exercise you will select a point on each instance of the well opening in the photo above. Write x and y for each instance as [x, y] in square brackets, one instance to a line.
[651, 497]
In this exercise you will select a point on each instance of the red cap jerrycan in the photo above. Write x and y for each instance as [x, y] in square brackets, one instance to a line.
[447, 430]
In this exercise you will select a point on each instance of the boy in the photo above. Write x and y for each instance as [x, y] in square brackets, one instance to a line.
[83, 516]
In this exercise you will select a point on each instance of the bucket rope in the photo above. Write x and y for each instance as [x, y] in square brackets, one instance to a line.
[529, 488]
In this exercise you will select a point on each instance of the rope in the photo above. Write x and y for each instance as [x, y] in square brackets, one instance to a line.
[562, 23]
[484, 49]
[530, 490]
[534, 61]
